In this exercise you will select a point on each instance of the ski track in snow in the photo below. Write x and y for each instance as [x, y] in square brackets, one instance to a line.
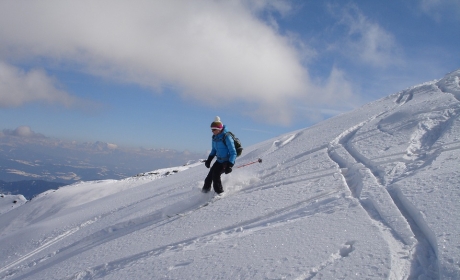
[419, 153]
[39, 249]
[99, 237]
[343, 252]
[355, 174]
[107, 234]
[409, 237]
[278, 218]
[383, 206]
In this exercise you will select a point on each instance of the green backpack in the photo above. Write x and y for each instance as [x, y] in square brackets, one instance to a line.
[238, 147]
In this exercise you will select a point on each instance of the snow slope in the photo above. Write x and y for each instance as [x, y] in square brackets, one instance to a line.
[9, 202]
[371, 194]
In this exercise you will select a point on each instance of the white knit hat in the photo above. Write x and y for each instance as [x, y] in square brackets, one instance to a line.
[217, 124]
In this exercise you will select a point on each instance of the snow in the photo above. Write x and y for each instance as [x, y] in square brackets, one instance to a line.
[9, 202]
[371, 194]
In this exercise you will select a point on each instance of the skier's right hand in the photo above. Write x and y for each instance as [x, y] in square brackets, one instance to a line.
[208, 162]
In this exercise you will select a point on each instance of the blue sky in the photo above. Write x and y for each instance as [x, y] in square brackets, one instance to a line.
[156, 73]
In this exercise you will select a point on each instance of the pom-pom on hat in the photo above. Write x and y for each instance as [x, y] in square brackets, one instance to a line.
[217, 124]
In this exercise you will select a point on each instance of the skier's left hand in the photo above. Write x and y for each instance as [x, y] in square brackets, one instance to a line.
[207, 163]
[228, 167]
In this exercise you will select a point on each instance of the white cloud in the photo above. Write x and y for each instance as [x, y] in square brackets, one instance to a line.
[335, 95]
[212, 51]
[18, 87]
[441, 9]
[23, 131]
[337, 82]
[367, 41]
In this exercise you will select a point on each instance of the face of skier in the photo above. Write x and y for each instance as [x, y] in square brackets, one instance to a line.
[215, 131]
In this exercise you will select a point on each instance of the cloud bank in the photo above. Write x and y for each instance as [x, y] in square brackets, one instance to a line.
[211, 51]
[18, 87]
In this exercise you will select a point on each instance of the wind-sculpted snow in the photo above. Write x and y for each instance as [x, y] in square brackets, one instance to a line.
[371, 194]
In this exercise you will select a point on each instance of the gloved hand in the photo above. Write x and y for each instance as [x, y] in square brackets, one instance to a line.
[207, 163]
[228, 167]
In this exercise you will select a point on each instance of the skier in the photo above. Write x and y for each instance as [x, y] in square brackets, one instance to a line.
[226, 155]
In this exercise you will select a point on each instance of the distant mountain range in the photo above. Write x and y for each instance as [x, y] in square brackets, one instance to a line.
[34, 158]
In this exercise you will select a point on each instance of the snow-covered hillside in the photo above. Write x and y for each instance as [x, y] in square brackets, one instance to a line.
[9, 202]
[371, 194]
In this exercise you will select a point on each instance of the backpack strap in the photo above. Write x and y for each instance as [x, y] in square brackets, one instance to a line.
[225, 138]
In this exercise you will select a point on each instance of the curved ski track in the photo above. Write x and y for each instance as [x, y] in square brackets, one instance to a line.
[410, 247]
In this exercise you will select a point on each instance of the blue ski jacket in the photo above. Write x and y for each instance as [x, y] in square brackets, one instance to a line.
[223, 152]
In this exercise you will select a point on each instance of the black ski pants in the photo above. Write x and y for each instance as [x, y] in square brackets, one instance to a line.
[214, 177]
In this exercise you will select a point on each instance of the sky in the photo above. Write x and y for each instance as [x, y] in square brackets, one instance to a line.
[154, 74]
[373, 194]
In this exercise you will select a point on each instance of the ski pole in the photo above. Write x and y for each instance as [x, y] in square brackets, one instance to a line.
[259, 160]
